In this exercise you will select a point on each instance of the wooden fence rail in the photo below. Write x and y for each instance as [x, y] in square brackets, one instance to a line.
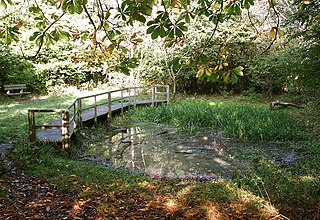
[91, 108]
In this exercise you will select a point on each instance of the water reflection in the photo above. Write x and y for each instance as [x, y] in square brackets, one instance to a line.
[161, 151]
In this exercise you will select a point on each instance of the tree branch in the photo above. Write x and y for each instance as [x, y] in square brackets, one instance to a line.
[277, 28]
[90, 18]
[251, 22]
[44, 32]
[217, 23]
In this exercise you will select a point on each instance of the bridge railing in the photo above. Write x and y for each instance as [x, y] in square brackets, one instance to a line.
[64, 126]
[100, 104]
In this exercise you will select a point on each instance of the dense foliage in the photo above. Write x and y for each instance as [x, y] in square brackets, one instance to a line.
[204, 46]
[15, 70]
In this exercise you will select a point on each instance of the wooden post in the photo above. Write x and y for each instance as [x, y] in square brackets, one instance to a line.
[32, 130]
[134, 96]
[121, 101]
[74, 117]
[95, 110]
[109, 107]
[74, 113]
[129, 95]
[65, 129]
[168, 93]
[156, 93]
[153, 94]
[80, 112]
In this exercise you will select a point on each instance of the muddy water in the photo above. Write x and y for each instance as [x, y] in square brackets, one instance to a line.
[159, 151]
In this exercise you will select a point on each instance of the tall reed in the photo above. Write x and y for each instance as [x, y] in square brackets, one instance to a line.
[244, 121]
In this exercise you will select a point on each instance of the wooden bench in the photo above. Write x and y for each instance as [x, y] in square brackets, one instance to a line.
[16, 89]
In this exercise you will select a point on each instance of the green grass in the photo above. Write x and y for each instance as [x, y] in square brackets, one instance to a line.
[14, 115]
[240, 120]
[293, 188]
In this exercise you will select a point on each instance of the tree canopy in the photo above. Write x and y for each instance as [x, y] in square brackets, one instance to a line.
[110, 39]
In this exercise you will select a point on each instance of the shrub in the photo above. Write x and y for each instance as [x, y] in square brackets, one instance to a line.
[16, 70]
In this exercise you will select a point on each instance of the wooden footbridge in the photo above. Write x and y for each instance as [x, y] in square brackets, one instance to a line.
[58, 125]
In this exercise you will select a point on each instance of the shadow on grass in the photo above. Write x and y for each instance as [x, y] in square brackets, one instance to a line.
[294, 189]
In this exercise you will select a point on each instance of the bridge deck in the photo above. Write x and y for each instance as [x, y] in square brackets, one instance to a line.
[55, 134]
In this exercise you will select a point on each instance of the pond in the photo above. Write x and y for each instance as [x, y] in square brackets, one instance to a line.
[162, 151]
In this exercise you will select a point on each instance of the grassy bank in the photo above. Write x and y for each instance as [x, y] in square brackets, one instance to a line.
[116, 193]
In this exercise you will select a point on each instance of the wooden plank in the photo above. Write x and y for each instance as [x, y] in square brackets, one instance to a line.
[12, 89]
[14, 86]
[53, 134]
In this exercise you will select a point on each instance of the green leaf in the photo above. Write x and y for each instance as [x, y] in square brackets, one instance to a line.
[187, 18]
[171, 33]
[246, 5]
[226, 76]
[272, 33]
[125, 70]
[141, 18]
[201, 71]
[280, 32]
[179, 33]
[79, 8]
[146, 10]
[56, 35]
[237, 9]
[34, 36]
[151, 29]
[3, 4]
[110, 48]
[272, 3]
[230, 9]
[162, 32]
[139, 40]
[234, 78]
[66, 35]
[238, 70]
[39, 40]
[169, 43]
[183, 27]
[71, 9]
[176, 63]
[208, 72]
[155, 34]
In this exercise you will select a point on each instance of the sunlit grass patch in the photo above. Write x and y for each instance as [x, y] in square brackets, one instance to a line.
[14, 115]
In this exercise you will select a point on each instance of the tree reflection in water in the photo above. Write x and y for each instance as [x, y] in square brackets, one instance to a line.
[160, 151]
